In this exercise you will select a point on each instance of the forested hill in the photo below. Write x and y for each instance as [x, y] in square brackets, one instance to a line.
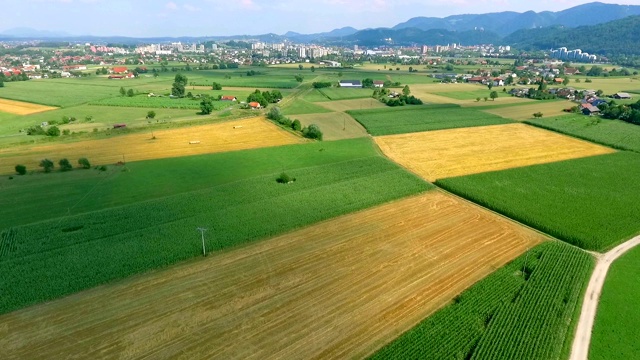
[619, 37]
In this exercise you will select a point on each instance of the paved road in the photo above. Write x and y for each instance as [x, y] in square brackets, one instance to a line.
[580, 349]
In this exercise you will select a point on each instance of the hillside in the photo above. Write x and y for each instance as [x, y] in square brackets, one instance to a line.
[408, 36]
[505, 23]
[615, 37]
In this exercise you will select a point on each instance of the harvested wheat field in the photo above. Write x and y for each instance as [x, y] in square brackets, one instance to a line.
[436, 94]
[228, 136]
[354, 104]
[339, 289]
[334, 125]
[448, 153]
[22, 108]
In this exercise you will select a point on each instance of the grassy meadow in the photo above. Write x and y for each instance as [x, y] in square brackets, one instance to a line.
[487, 319]
[589, 202]
[616, 327]
[406, 119]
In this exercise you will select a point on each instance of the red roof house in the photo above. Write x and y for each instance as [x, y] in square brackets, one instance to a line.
[120, 69]
[255, 105]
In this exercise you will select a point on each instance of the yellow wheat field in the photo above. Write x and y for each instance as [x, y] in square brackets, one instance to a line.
[228, 136]
[22, 108]
[524, 112]
[340, 289]
[448, 153]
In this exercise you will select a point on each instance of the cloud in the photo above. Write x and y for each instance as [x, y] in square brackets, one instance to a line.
[171, 6]
[190, 7]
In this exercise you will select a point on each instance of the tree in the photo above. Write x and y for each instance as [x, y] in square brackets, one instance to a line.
[599, 92]
[300, 67]
[410, 68]
[478, 99]
[406, 91]
[65, 165]
[490, 85]
[299, 78]
[493, 95]
[53, 131]
[179, 82]
[46, 164]
[274, 113]
[84, 162]
[206, 106]
[537, 115]
[312, 132]
[130, 93]
[123, 92]
[1, 83]
[257, 97]
[565, 82]
[313, 68]
[367, 83]
[21, 169]
[151, 114]
[485, 98]
[296, 125]
[216, 86]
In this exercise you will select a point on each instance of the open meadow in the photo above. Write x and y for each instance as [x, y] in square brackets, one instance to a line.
[335, 125]
[277, 299]
[615, 133]
[590, 202]
[227, 136]
[615, 331]
[510, 314]
[300, 107]
[89, 242]
[457, 152]
[417, 118]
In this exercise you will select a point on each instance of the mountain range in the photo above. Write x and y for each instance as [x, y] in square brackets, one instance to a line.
[507, 27]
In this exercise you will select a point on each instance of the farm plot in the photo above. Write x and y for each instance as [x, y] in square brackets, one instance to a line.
[22, 108]
[158, 102]
[590, 202]
[345, 93]
[356, 104]
[509, 314]
[391, 266]
[300, 107]
[56, 93]
[615, 331]
[615, 133]
[227, 136]
[524, 112]
[70, 253]
[448, 153]
[335, 125]
[408, 119]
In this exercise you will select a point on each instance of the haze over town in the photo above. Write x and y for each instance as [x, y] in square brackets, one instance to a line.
[148, 18]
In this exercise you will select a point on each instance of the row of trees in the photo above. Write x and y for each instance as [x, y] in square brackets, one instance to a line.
[629, 113]
[48, 165]
[129, 93]
[265, 97]
[394, 99]
[312, 131]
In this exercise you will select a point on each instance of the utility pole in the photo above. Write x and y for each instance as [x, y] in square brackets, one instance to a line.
[202, 230]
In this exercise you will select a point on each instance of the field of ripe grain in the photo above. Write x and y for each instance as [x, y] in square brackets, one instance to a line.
[462, 94]
[524, 112]
[22, 108]
[228, 136]
[338, 289]
[448, 153]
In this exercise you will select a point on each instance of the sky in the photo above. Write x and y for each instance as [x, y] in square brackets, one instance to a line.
[148, 18]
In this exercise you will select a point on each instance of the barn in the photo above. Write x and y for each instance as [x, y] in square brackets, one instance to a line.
[351, 83]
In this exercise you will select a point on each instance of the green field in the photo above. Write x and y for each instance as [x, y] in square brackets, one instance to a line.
[615, 332]
[57, 93]
[590, 202]
[300, 107]
[407, 119]
[507, 315]
[614, 133]
[159, 102]
[81, 240]
[345, 93]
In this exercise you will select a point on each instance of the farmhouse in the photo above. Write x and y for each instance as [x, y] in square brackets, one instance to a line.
[476, 80]
[351, 83]
[228, 98]
[255, 105]
[120, 69]
[622, 96]
[378, 83]
[589, 109]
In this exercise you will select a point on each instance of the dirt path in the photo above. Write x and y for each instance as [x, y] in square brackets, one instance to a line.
[580, 349]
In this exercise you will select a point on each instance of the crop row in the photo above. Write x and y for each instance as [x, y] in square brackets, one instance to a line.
[157, 102]
[525, 310]
[82, 251]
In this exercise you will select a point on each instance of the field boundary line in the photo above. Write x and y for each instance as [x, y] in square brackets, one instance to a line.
[582, 340]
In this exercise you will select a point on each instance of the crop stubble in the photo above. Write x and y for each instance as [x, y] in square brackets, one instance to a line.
[22, 108]
[338, 289]
[228, 136]
[457, 152]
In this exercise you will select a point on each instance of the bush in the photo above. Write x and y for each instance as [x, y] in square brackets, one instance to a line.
[321, 84]
[296, 125]
[84, 162]
[216, 86]
[46, 164]
[312, 132]
[65, 165]
[275, 114]
[66, 132]
[53, 131]
[537, 115]
[21, 169]
[151, 114]
[285, 179]
[36, 130]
